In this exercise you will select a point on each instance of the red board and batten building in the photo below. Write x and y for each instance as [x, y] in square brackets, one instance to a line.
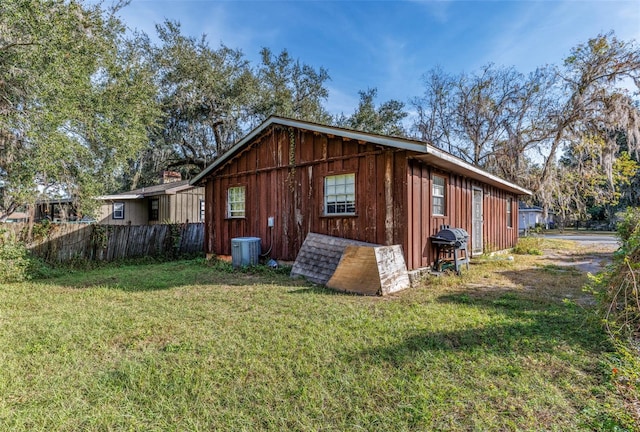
[385, 190]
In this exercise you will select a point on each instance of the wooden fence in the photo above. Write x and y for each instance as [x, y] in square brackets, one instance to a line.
[65, 242]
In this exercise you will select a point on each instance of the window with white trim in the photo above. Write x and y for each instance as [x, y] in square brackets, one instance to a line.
[509, 212]
[235, 202]
[340, 194]
[118, 210]
[438, 195]
[201, 210]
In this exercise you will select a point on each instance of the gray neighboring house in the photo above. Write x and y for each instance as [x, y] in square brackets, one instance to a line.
[532, 216]
[169, 202]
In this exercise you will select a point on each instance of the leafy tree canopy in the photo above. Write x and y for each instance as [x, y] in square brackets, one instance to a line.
[76, 100]
[211, 97]
[385, 119]
[519, 126]
[86, 109]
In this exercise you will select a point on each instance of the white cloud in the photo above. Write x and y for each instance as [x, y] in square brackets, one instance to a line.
[438, 10]
[545, 32]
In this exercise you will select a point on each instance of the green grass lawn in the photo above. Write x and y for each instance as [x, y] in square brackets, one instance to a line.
[191, 345]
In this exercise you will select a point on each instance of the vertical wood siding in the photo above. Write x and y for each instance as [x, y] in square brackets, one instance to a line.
[293, 193]
[283, 173]
[497, 236]
[458, 214]
[182, 207]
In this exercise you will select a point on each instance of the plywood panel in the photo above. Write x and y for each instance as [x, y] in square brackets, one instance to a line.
[371, 270]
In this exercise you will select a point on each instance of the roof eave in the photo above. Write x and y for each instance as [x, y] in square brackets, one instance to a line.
[169, 191]
[449, 162]
[119, 197]
[140, 193]
[432, 154]
[401, 143]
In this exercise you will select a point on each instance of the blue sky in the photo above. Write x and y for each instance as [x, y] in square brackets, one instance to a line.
[389, 45]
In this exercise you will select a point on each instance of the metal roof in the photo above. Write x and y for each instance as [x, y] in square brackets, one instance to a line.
[423, 150]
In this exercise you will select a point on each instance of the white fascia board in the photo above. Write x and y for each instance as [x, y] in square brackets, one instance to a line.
[432, 154]
[119, 197]
[401, 143]
[441, 158]
[162, 192]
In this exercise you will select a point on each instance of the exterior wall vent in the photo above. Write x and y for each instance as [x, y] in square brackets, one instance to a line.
[245, 251]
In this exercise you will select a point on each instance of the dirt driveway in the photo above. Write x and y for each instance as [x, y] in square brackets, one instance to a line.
[594, 251]
[561, 273]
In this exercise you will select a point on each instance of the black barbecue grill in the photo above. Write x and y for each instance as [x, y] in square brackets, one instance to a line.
[450, 243]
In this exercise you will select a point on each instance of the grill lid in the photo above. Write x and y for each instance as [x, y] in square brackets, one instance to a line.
[452, 236]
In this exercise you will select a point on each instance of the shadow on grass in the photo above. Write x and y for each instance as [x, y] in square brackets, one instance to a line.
[561, 278]
[140, 277]
[530, 314]
[520, 326]
[319, 289]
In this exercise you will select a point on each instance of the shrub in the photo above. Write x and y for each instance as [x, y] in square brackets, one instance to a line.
[618, 288]
[618, 292]
[630, 220]
[14, 258]
[16, 262]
